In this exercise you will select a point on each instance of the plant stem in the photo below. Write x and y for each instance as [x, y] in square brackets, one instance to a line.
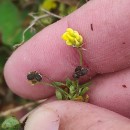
[48, 84]
[19, 108]
[80, 56]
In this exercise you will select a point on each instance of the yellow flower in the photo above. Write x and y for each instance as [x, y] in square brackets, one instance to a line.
[49, 4]
[72, 38]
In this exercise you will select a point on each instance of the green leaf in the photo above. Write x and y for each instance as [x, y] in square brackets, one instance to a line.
[72, 89]
[10, 21]
[11, 123]
[83, 91]
[11, 24]
[68, 82]
[59, 95]
[58, 84]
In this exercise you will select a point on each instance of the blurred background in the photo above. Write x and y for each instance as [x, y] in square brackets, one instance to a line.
[19, 21]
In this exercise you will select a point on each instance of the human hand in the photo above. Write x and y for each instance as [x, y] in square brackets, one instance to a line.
[107, 53]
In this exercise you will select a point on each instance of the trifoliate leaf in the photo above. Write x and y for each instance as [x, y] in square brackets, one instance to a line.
[11, 123]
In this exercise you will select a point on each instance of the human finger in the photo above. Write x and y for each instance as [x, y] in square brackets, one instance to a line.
[70, 115]
[106, 44]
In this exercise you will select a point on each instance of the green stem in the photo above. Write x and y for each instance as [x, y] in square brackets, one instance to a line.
[49, 84]
[80, 56]
[77, 87]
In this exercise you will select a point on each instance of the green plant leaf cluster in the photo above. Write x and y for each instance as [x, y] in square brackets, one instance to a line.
[71, 90]
[11, 123]
[11, 21]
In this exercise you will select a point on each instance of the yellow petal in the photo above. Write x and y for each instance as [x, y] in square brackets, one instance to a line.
[81, 39]
[77, 44]
[64, 37]
[70, 38]
[69, 43]
[70, 30]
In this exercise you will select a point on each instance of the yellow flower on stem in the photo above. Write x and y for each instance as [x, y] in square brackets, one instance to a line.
[72, 38]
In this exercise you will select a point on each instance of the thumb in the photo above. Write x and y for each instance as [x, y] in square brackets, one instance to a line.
[48, 54]
[70, 115]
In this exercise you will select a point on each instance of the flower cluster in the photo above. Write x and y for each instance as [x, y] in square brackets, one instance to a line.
[72, 38]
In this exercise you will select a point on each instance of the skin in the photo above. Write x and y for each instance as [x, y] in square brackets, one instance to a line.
[68, 115]
[107, 55]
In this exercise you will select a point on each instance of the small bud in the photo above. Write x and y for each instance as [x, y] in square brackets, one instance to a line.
[34, 77]
[80, 71]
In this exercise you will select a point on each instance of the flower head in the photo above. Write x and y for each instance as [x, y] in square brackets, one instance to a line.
[72, 38]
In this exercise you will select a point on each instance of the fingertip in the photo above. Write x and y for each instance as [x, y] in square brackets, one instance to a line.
[38, 54]
[44, 119]
[16, 79]
[47, 53]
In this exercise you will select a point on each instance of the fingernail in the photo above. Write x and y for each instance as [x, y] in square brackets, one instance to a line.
[43, 119]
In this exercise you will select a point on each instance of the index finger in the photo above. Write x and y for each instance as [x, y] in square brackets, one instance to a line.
[107, 48]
